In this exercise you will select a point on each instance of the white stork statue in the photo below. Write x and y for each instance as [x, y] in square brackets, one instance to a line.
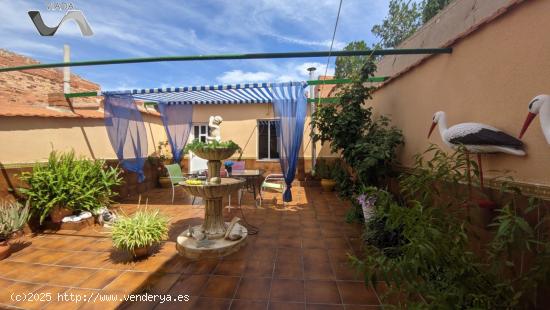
[476, 138]
[539, 105]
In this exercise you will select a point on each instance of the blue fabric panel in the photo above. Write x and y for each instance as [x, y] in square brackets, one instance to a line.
[289, 105]
[177, 120]
[126, 132]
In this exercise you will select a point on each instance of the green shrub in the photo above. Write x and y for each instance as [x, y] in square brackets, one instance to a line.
[66, 181]
[378, 232]
[366, 143]
[13, 216]
[198, 144]
[142, 229]
[442, 176]
[432, 257]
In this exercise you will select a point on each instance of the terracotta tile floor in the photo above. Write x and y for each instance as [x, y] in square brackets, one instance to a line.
[297, 261]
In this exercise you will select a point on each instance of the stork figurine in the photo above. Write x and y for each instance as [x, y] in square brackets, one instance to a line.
[476, 138]
[539, 105]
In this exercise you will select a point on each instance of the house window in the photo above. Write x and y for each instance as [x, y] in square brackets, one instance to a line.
[268, 147]
[201, 132]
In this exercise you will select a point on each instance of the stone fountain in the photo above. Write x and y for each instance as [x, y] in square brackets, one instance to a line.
[214, 237]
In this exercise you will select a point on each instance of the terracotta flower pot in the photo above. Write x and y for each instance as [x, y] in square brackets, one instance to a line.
[58, 213]
[140, 252]
[4, 249]
[328, 185]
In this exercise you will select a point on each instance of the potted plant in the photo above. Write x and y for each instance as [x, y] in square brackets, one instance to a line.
[65, 184]
[137, 233]
[324, 171]
[13, 217]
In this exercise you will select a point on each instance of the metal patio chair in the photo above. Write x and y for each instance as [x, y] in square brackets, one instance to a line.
[274, 182]
[176, 176]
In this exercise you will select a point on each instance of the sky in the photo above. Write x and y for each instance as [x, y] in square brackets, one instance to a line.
[127, 29]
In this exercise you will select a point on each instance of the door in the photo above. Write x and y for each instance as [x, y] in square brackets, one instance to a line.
[200, 131]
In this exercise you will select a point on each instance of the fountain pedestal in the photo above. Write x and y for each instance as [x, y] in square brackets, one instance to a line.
[214, 227]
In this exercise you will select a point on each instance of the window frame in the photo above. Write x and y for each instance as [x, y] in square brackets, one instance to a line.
[269, 158]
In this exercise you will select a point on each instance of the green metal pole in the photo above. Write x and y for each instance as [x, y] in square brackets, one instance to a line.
[410, 51]
[374, 79]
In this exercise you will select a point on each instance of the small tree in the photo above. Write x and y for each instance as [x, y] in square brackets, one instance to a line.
[350, 66]
[431, 7]
[403, 19]
[366, 143]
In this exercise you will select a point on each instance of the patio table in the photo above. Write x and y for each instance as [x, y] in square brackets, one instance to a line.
[252, 177]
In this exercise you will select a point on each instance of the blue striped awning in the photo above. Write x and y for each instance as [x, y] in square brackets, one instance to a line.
[211, 94]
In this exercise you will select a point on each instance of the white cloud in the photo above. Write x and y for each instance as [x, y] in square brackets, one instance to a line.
[337, 45]
[32, 49]
[239, 76]
[288, 72]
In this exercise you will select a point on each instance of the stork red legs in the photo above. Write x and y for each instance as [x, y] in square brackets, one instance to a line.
[476, 138]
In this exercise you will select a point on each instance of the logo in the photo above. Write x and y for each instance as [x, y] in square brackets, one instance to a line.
[75, 15]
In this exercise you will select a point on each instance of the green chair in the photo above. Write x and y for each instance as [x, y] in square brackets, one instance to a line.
[175, 175]
[274, 182]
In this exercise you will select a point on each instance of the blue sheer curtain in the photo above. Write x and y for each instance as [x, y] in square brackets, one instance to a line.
[126, 132]
[177, 120]
[289, 105]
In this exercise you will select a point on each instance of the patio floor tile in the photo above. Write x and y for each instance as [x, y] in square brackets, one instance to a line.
[254, 288]
[357, 293]
[289, 269]
[161, 283]
[220, 287]
[324, 307]
[100, 279]
[7, 294]
[259, 268]
[189, 284]
[287, 290]
[201, 267]
[129, 282]
[322, 292]
[286, 306]
[239, 304]
[44, 295]
[211, 304]
[298, 260]
[63, 276]
[230, 267]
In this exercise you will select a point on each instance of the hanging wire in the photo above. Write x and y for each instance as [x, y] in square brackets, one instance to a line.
[331, 43]
[328, 62]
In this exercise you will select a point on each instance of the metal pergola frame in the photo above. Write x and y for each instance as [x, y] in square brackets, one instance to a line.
[376, 52]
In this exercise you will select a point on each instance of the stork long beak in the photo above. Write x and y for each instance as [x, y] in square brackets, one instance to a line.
[431, 129]
[530, 117]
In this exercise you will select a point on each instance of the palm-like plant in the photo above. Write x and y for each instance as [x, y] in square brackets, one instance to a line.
[13, 217]
[143, 229]
[67, 181]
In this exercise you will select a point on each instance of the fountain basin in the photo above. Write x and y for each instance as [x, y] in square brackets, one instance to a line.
[213, 248]
[215, 153]
[211, 191]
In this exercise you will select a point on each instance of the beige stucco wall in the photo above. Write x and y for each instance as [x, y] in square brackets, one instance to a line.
[30, 139]
[490, 77]
[240, 125]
